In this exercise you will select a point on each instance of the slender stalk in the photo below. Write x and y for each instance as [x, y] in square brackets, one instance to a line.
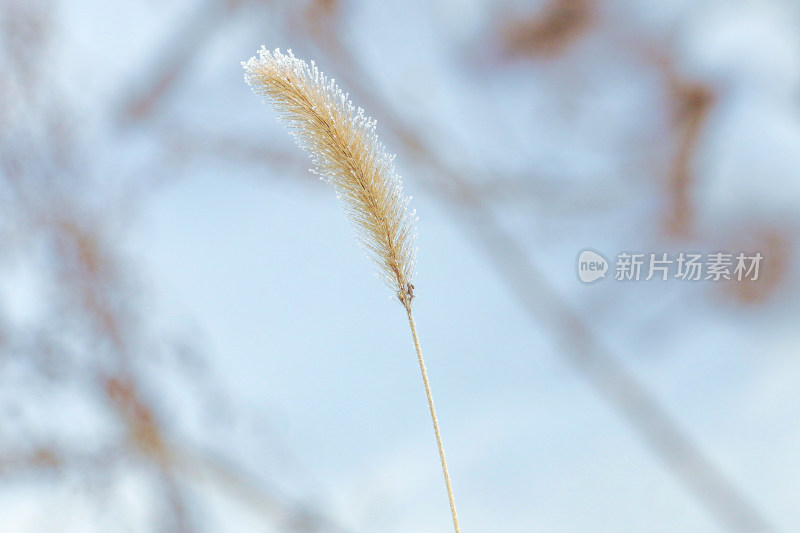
[346, 152]
[433, 416]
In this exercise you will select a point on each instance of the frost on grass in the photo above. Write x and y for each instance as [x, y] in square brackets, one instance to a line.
[346, 152]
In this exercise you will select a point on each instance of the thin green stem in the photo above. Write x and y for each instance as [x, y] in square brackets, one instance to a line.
[433, 416]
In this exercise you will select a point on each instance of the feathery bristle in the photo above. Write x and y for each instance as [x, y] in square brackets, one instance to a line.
[345, 149]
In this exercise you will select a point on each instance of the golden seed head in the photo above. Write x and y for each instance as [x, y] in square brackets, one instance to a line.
[346, 152]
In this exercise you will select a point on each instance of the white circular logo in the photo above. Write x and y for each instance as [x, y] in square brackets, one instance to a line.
[591, 266]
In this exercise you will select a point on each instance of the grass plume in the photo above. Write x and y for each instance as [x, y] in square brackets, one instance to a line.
[346, 152]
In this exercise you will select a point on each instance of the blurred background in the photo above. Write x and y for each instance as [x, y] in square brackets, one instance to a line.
[191, 340]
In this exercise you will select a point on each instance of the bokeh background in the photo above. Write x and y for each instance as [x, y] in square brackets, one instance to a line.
[191, 340]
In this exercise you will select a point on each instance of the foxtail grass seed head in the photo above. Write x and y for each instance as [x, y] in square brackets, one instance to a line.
[346, 153]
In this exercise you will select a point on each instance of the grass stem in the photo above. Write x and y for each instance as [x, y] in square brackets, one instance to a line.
[433, 417]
